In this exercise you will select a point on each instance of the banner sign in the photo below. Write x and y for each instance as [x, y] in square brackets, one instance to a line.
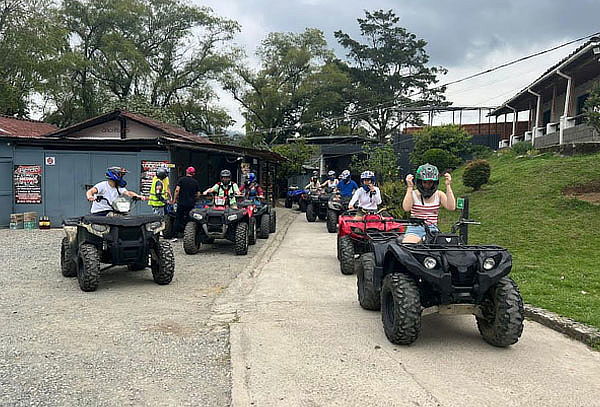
[148, 172]
[27, 180]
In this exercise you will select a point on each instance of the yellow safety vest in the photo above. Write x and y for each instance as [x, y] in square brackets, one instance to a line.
[155, 198]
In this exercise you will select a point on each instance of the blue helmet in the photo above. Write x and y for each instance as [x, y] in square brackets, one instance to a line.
[116, 174]
[251, 177]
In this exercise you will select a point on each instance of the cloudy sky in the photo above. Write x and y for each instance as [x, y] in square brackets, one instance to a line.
[465, 36]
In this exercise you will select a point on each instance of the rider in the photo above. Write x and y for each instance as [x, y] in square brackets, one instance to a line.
[314, 183]
[251, 189]
[111, 189]
[159, 191]
[226, 188]
[424, 203]
[346, 186]
[368, 195]
[331, 182]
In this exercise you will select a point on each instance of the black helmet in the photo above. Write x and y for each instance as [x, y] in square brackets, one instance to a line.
[162, 172]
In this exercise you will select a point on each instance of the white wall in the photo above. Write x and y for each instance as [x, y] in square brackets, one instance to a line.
[112, 130]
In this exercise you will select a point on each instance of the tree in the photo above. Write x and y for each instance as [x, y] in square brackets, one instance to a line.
[592, 107]
[451, 138]
[381, 159]
[297, 153]
[389, 68]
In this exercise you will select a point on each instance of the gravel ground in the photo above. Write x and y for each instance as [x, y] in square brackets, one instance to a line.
[130, 343]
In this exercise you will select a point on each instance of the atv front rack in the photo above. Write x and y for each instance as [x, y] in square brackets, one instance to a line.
[420, 248]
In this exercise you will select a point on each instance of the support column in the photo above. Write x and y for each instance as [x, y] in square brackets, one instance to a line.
[565, 118]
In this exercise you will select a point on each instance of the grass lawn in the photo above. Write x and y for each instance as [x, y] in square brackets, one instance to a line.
[554, 240]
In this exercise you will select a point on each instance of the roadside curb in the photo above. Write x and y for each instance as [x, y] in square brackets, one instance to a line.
[573, 329]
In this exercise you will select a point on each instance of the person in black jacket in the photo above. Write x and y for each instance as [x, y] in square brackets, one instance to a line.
[186, 194]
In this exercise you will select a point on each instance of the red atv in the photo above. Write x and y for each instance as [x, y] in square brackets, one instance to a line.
[216, 219]
[352, 236]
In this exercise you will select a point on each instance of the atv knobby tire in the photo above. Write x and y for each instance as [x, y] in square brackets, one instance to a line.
[191, 240]
[88, 267]
[273, 221]
[163, 263]
[368, 297]
[252, 233]
[241, 238]
[346, 253]
[400, 308]
[265, 224]
[68, 263]
[288, 203]
[502, 321]
[332, 221]
[311, 215]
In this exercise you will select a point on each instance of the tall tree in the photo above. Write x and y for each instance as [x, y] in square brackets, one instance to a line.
[389, 66]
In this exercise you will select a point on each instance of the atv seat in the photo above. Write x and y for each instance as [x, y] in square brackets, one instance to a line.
[126, 221]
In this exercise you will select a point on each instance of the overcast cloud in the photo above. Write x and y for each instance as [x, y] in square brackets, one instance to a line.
[464, 36]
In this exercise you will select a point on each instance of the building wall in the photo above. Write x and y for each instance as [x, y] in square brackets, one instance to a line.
[559, 105]
[112, 131]
[6, 192]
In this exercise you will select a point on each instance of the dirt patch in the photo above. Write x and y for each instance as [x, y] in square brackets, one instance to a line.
[589, 192]
[170, 327]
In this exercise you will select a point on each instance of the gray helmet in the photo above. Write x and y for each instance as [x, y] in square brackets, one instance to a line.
[225, 173]
[162, 172]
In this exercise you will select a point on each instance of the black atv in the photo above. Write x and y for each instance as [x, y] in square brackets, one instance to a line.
[218, 220]
[170, 215]
[265, 216]
[317, 204]
[336, 205]
[116, 239]
[440, 275]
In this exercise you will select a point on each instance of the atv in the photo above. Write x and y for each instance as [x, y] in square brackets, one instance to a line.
[352, 239]
[216, 219]
[116, 239]
[297, 195]
[442, 274]
[336, 205]
[265, 216]
[317, 204]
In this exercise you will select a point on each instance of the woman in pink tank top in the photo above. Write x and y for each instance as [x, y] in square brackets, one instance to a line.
[424, 202]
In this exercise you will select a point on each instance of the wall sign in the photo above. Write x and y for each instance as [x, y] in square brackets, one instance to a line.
[27, 180]
[148, 172]
[50, 160]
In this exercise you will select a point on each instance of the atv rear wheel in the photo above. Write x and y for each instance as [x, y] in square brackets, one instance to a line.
[191, 240]
[400, 308]
[502, 321]
[273, 221]
[265, 224]
[252, 231]
[68, 263]
[332, 221]
[311, 215]
[302, 206]
[88, 267]
[163, 263]
[346, 253]
[288, 203]
[368, 297]
[241, 238]
[338, 247]
[167, 233]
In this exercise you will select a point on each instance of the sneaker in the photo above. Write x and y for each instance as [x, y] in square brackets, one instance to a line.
[173, 240]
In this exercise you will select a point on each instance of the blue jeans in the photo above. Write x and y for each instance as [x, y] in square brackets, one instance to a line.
[420, 230]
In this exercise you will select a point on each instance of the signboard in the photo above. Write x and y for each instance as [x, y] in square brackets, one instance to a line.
[50, 160]
[460, 203]
[148, 171]
[27, 180]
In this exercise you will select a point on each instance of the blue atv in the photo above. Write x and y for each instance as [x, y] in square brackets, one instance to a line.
[298, 196]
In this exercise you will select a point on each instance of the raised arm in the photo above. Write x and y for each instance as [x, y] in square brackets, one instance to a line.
[447, 199]
[407, 203]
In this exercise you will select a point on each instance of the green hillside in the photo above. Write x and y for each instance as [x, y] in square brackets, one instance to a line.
[554, 240]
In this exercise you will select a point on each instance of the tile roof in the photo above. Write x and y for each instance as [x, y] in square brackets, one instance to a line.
[24, 128]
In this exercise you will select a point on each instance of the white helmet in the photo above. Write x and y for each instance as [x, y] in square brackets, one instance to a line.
[367, 175]
[345, 174]
[331, 173]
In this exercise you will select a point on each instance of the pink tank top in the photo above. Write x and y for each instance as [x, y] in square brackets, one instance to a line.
[427, 211]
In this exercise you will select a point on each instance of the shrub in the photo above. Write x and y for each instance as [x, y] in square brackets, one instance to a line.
[442, 159]
[480, 152]
[477, 173]
[450, 138]
[392, 195]
[522, 147]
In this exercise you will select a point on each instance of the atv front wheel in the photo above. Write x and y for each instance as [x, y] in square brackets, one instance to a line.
[332, 221]
[368, 297]
[400, 309]
[191, 241]
[502, 321]
[163, 263]
[273, 221]
[241, 238]
[346, 253]
[252, 231]
[68, 264]
[88, 267]
[288, 203]
[311, 215]
[265, 223]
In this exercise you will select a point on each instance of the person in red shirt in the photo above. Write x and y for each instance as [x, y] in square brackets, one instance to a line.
[251, 189]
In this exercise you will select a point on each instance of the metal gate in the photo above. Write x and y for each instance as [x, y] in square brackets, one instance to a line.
[5, 191]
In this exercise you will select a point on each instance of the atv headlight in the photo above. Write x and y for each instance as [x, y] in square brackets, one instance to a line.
[151, 227]
[489, 263]
[197, 216]
[429, 263]
[232, 217]
[100, 228]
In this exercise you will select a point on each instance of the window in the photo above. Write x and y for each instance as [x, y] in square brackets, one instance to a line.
[580, 108]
